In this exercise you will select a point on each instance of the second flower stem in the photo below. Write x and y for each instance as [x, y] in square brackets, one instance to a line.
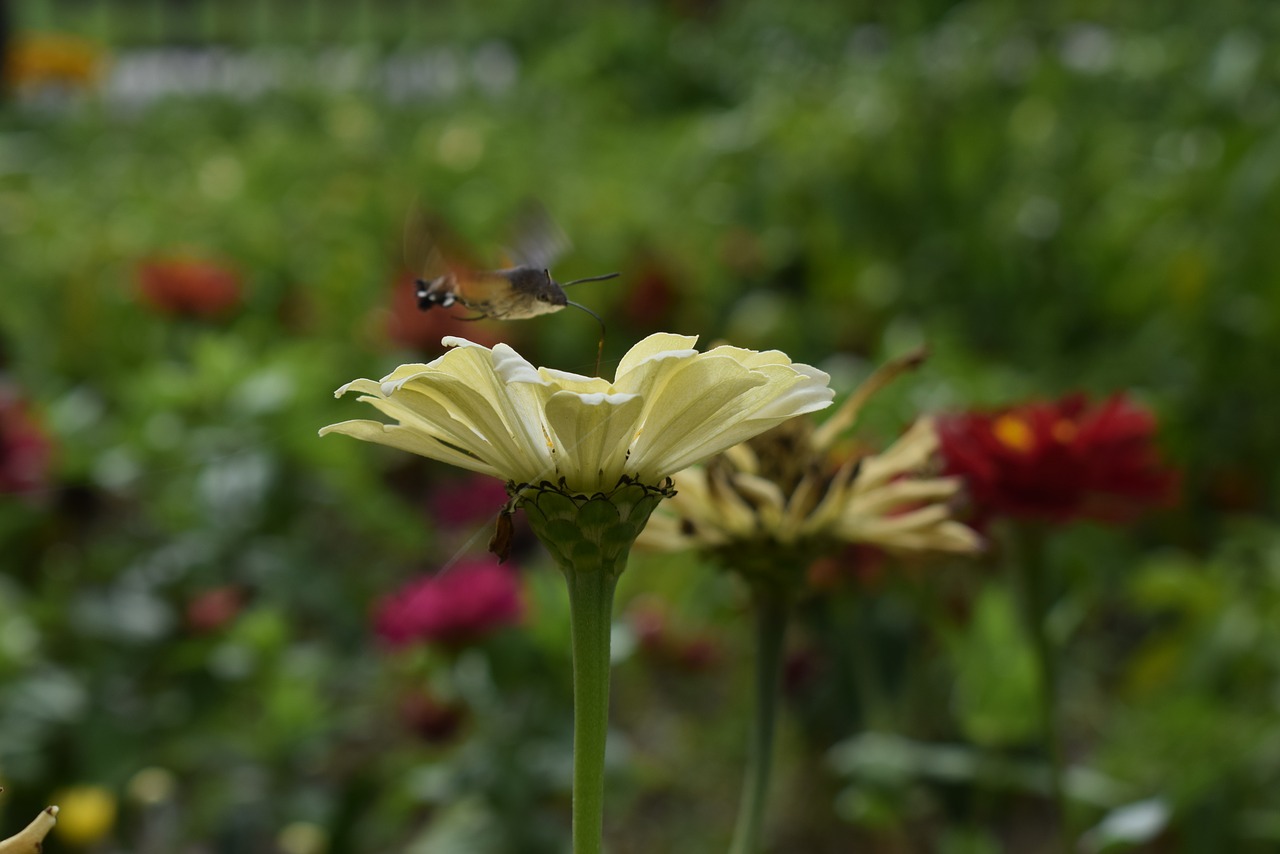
[591, 617]
[771, 613]
[1031, 569]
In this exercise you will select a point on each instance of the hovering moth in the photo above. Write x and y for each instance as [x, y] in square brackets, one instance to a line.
[525, 289]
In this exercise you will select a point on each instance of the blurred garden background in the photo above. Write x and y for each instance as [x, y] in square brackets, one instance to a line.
[203, 212]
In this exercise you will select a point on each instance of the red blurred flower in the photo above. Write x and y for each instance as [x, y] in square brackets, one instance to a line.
[801, 669]
[434, 720]
[1059, 460]
[25, 449]
[686, 650]
[415, 329]
[652, 295]
[188, 287]
[462, 604]
[858, 565]
[212, 609]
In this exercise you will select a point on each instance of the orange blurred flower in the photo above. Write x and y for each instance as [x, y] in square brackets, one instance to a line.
[189, 287]
[54, 59]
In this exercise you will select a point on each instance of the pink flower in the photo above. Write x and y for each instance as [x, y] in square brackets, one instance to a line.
[461, 504]
[25, 450]
[460, 605]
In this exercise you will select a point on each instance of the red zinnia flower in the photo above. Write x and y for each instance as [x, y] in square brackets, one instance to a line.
[25, 451]
[187, 287]
[1059, 460]
[460, 605]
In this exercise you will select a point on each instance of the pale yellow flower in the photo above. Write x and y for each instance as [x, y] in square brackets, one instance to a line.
[667, 407]
[790, 491]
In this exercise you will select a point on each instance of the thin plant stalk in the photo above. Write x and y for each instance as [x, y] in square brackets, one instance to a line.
[1029, 566]
[589, 537]
[591, 611]
[772, 610]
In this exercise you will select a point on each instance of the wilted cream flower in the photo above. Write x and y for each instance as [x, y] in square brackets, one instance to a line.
[31, 839]
[789, 490]
[667, 407]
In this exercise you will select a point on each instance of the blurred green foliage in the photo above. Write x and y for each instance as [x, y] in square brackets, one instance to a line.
[1075, 197]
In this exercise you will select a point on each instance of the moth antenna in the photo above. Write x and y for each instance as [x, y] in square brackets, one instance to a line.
[600, 346]
[590, 279]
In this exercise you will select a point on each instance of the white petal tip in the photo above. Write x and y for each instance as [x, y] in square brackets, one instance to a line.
[457, 341]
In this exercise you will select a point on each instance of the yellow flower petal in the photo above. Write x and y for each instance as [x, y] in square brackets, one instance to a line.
[690, 399]
[903, 493]
[785, 392]
[658, 344]
[751, 358]
[404, 439]
[591, 431]
[913, 450]
[565, 381]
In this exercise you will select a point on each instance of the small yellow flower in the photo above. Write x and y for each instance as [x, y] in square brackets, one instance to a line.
[303, 837]
[667, 407]
[788, 491]
[88, 814]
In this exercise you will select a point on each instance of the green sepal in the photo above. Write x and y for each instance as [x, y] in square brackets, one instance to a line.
[589, 533]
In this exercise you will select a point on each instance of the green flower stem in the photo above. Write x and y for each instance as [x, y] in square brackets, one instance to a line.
[591, 616]
[1030, 569]
[771, 612]
[590, 537]
[866, 674]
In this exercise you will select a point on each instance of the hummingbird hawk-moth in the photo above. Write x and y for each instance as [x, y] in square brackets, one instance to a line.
[523, 290]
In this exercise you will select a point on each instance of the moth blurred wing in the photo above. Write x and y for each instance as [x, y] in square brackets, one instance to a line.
[536, 240]
[421, 258]
[432, 249]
